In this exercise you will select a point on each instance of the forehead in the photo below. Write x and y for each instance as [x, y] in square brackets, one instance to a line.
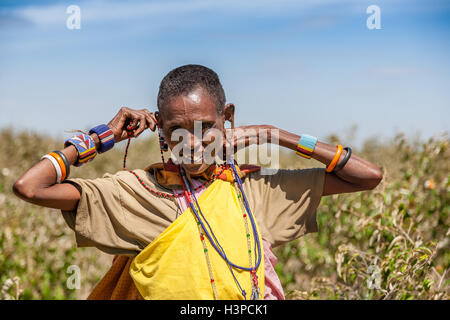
[196, 105]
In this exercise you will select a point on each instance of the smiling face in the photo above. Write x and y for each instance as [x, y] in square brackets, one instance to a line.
[182, 112]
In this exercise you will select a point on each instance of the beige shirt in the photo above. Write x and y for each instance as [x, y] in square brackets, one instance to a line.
[118, 215]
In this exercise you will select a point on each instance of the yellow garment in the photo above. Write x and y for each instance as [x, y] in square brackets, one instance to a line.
[174, 265]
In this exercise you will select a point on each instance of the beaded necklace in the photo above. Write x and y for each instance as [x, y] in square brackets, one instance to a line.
[158, 193]
[189, 193]
[256, 293]
[215, 243]
[243, 201]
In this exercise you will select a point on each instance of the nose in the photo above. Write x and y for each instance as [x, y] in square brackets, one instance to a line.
[195, 145]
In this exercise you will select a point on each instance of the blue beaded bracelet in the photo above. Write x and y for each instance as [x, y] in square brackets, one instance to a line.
[85, 147]
[306, 146]
[106, 137]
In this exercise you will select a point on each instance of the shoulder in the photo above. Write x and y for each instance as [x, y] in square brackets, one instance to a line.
[284, 175]
[131, 176]
[285, 181]
[119, 180]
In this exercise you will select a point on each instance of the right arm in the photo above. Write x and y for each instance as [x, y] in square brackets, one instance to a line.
[38, 185]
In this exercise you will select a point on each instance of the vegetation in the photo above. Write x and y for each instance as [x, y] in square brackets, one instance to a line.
[388, 243]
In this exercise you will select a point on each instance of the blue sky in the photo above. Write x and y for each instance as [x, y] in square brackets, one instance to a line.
[307, 66]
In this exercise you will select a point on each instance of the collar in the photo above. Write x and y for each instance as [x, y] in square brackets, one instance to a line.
[167, 174]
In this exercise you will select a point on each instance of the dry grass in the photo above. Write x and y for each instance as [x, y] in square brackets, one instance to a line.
[389, 243]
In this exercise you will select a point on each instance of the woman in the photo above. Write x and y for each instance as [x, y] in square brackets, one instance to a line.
[198, 230]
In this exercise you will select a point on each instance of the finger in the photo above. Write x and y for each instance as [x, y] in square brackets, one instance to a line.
[122, 124]
[134, 121]
[123, 118]
[131, 122]
[142, 125]
[150, 123]
[151, 119]
[231, 138]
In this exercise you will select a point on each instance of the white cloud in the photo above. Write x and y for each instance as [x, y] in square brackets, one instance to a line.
[101, 10]
[115, 10]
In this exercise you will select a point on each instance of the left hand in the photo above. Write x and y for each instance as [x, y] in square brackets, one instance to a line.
[240, 137]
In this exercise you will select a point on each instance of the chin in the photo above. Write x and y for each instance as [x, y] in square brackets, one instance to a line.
[194, 169]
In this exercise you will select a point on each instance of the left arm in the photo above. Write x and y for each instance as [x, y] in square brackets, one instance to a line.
[357, 174]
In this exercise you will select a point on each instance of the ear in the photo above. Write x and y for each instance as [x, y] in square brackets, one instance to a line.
[228, 112]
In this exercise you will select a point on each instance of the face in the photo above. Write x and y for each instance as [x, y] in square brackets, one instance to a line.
[184, 112]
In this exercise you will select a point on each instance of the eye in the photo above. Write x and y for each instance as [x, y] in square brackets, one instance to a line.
[207, 125]
[173, 128]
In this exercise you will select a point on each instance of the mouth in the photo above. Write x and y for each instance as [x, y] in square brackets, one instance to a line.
[195, 159]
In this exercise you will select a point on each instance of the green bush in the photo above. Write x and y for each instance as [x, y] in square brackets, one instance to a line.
[388, 243]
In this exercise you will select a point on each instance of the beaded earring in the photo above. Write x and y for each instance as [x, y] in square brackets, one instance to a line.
[162, 141]
[163, 146]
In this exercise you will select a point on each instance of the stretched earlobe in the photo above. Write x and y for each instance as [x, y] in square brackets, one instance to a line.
[228, 112]
[158, 119]
[162, 141]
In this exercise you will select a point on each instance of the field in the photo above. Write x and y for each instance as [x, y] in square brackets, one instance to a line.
[389, 243]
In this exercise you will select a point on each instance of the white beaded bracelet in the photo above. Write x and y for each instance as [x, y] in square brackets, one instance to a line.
[55, 165]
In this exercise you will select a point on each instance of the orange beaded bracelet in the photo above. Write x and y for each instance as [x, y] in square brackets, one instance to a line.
[335, 159]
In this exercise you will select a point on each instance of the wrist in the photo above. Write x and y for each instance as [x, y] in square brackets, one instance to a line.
[105, 138]
[306, 146]
[71, 153]
[96, 139]
[85, 148]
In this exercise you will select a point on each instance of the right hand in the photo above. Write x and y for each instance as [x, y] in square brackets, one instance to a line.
[138, 119]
